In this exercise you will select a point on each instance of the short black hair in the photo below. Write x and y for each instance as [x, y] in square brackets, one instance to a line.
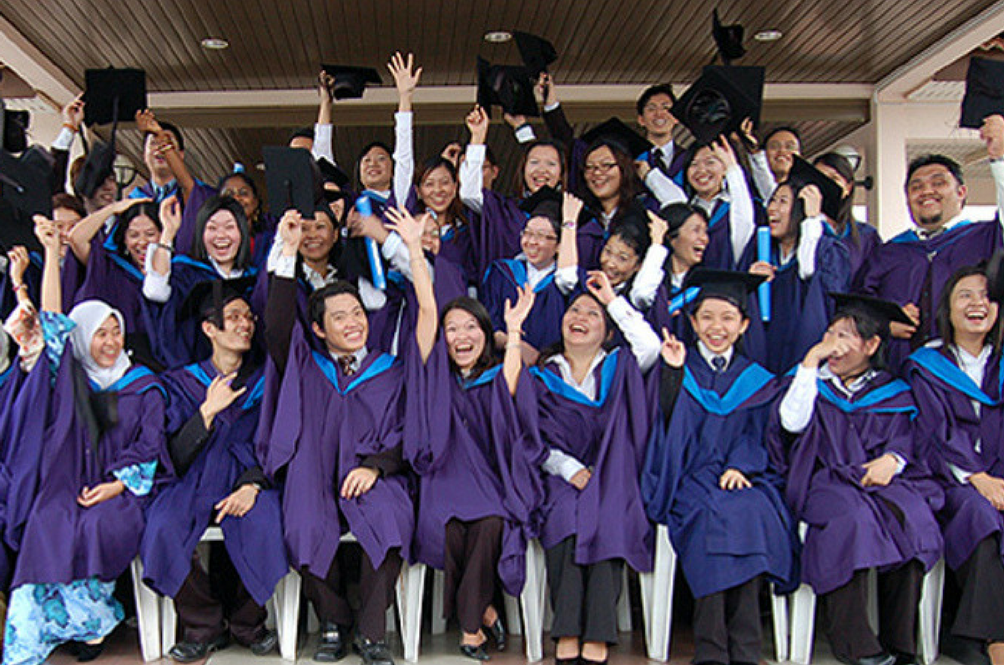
[677, 214]
[783, 128]
[633, 232]
[867, 326]
[942, 160]
[362, 153]
[302, 133]
[316, 303]
[141, 209]
[652, 91]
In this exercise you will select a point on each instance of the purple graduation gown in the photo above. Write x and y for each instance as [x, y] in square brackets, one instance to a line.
[13, 417]
[496, 231]
[718, 253]
[950, 427]
[724, 538]
[851, 527]
[177, 518]
[607, 435]
[62, 540]
[316, 427]
[475, 459]
[800, 309]
[905, 267]
[857, 253]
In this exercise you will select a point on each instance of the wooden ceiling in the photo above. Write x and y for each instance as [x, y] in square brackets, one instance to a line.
[279, 45]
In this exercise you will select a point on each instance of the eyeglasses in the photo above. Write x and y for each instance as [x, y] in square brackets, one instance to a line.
[539, 237]
[605, 167]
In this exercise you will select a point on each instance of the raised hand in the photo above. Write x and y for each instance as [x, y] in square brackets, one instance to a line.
[545, 88]
[599, 285]
[170, 219]
[514, 121]
[405, 225]
[19, 261]
[46, 232]
[147, 123]
[515, 315]
[291, 231]
[747, 136]
[722, 149]
[657, 228]
[477, 122]
[992, 133]
[219, 395]
[674, 353]
[73, 113]
[405, 78]
[813, 199]
[571, 207]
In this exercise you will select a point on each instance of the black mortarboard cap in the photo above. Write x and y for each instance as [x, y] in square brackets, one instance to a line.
[730, 285]
[351, 81]
[545, 202]
[748, 79]
[803, 173]
[728, 38]
[995, 276]
[507, 86]
[14, 129]
[333, 173]
[25, 181]
[718, 101]
[984, 92]
[113, 94]
[537, 52]
[99, 164]
[211, 296]
[289, 178]
[616, 131]
[876, 308]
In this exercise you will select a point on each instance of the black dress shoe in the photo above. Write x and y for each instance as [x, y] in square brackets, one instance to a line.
[567, 661]
[332, 646]
[189, 652]
[475, 652]
[265, 644]
[882, 658]
[373, 653]
[496, 633]
[585, 661]
[85, 652]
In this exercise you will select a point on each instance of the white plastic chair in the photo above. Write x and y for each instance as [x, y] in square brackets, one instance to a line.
[657, 603]
[803, 613]
[512, 620]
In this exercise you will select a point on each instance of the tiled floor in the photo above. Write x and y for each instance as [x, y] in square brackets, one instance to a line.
[123, 649]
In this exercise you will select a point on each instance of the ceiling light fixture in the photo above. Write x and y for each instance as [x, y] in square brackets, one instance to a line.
[771, 35]
[498, 36]
[214, 43]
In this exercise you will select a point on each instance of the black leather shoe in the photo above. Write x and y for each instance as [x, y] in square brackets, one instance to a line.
[373, 653]
[332, 646]
[882, 658]
[496, 633]
[475, 652]
[189, 652]
[85, 652]
[265, 644]
[567, 661]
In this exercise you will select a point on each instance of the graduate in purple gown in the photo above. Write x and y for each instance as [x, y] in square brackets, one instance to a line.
[104, 455]
[957, 384]
[223, 251]
[331, 431]
[707, 475]
[805, 265]
[111, 244]
[212, 414]
[858, 478]
[912, 268]
[543, 267]
[164, 156]
[859, 238]
[480, 481]
[593, 417]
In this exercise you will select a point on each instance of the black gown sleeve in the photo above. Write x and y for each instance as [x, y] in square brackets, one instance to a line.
[386, 463]
[670, 384]
[186, 444]
[280, 314]
[558, 126]
[253, 476]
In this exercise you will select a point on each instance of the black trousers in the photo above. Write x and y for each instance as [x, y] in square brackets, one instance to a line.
[584, 598]
[727, 625]
[376, 590]
[981, 605]
[206, 602]
[845, 613]
[472, 557]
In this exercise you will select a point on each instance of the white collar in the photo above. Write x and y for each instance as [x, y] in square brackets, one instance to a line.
[359, 355]
[588, 385]
[855, 386]
[710, 355]
[924, 234]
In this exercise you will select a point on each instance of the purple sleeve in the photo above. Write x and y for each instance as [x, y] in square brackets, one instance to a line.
[201, 192]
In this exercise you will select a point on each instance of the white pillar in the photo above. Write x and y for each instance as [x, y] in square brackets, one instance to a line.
[887, 209]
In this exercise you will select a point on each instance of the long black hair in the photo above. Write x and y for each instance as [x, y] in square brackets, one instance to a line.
[843, 167]
[212, 206]
[631, 186]
[558, 348]
[489, 356]
[943, 316]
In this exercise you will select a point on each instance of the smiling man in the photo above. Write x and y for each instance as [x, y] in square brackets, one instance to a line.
[912, 268]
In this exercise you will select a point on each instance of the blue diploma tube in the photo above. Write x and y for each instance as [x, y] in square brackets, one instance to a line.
[365, 208]
[763, 254]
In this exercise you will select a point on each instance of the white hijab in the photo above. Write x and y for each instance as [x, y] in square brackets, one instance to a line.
[89, 315]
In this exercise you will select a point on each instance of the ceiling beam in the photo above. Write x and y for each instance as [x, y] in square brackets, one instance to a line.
[921, 68]
[34, 67]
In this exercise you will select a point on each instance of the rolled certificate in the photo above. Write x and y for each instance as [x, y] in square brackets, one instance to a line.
[763, 254]
[365, 208]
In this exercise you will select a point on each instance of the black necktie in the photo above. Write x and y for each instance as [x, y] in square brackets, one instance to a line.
[657, 159]
[348, 364]
[719, 363]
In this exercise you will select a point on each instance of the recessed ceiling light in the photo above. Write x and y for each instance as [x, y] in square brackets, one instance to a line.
[498, 36]
[214, 43]
[768, 35]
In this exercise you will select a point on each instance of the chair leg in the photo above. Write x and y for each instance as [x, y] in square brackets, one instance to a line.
[512, 621]
[147, 614]
[929, 615]
[410, 586]
[782, 640]
[532, 600]
[657, 597]
[803, 617]
[168, 624]
[438, 585]
[624, 604]
[286, 602]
